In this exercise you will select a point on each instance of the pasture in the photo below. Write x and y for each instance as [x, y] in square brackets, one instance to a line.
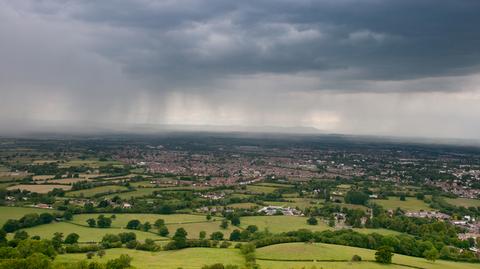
[39, 188]
[121, 220]
[260, 189]
[190, 258]
[279, 224]
[96, 191]
[89, 163]
[335, 256]
[140, 192]
[301, 203]
[86, 234]
[194, 229]
[243, 205]
[465, 202]
[7, 212]
[410, 204]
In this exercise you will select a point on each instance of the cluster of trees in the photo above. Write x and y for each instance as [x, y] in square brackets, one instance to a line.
[29, 220]
[403, 244]
[129, 240]
[437, 232]
[356, 197]
[444, 207]
[38, 254]
[135, 224]
[101, 222]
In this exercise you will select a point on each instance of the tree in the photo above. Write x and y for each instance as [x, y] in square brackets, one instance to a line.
[28, 247]
[235, 220]
[20, 235]
[224, 224]
[134, 224]
[120, 263]
[90, 254]
[46, 218]
[312, 221]
[101, 253]
[57, 240]
[159, 223]
[331, 221]
[163, 231]
[111, 240]
[180, 238]
[235, 235]
[72, 238]
[431, 254]
[384, 254]
[209, 217]
[252, 228]
[356, 258]
[68, 215]
[91, 222]
[11, 225]
[202, 235]
[127, 237]
[104, 222]
[146, 226]
[402, 197]
[216, 236]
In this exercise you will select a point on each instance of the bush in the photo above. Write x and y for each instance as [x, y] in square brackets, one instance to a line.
[312, 221]
[225, 244]
[216, 236]
[384, 255]
[356, 258]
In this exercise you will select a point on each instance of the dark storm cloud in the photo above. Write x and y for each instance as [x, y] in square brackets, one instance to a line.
[372, 66]
[362, 40]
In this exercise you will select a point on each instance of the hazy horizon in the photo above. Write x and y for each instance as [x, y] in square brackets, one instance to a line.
[381, 68]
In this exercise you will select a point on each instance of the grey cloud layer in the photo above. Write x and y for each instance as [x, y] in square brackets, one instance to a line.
[366, 40]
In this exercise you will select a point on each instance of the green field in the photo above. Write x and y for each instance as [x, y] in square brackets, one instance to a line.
[121, 220]
[465, 202]
[279, 224]
[378, 231]
[185, 258]
[86, 234]
[193, 229]
[7, 212]
[282, 253]
[242, 205]
[301, 203]
[411, 204]
[89, 163]
[260, 189]
[275, 185]
[140, 192]
[94, 191]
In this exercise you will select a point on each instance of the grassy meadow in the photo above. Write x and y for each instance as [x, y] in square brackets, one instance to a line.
[465, 202]
[7, 212]
[338, 257]
[190, 258]
[410, 204]
[39, 188]
[95, 191]
[121, 220]
[279, 224]
[86, 234]
[261, 189]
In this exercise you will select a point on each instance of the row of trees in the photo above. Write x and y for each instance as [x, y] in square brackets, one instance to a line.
[29, 220]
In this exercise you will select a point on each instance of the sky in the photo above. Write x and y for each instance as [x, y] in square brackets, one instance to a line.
[369, 67]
